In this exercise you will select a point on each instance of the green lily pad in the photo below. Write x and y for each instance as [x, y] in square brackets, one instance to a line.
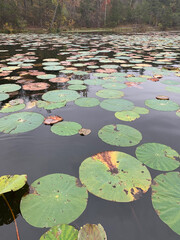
[77, 87]
[60, 96]
[141, 110]
[108, 93]
[136, 79]
[55, 198]
[158, 156]
[127, 115]
[53, 63]
[53, 68]
[75, 82]
[66, 128]
[10, 108]
[115, 176]
[120, 135]
[87, 102]
[92, 232]
[50, 105]
[110, 66]
[3, 96]
[173, 89]
[20, 122]
[116, 86]
[94, 81]
[162, 105]
[61, 232]
[170, 82]
[117, 105]
[10, 183]
[7, 88]
[46, 76]
[178, 113]
[165, 199]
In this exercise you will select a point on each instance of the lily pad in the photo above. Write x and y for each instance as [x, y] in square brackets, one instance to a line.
[66, 128]
[3, 96]
[117, 105]
[87, 102]
[20, 122]
[84, 131]
[77, 87]
[60, 95]
[7, 88]
[165, 199]
[75, 82]
[115, 176]
[173, 89]
[37, 86]
[53, 68]
[46, 76]
[7, 108]
[55, 198]
[10, 183]
[120, 135]
[115, 86]
[158, 156]
[50, 105]
[50, 120]
[92, 232]
[61, 232]
[170, 82]
[127, 115]
[162, 105]
[94, 81]
[108, 93]
[141, 110]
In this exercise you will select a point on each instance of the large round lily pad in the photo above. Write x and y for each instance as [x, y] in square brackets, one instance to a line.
[54, 199]
[7, 88]
[46, 76]
[87, 102]
[115, 176]
[115, 86]
[10, 183]
[61, 232]
[158, 156]
[127, 115]
[12, 108]
[92, 232]
[20, 122]
[60, 95]
[3, 96]
[117, 105]
[37, 86]
[120, 135]
[166, 199]
[66, 128]
[77, 87]
[173, 89]
[162, 105]
[50, 105]
[141, 110]
[110, 93]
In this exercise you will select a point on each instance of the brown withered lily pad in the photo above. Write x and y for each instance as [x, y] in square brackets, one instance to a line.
[161, 97]
[153, 79]
[59, 80]
[84, 131]
[50, 120]
[36, 86]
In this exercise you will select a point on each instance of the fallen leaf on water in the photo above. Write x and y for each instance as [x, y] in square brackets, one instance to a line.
[84, 131]
[50, 120]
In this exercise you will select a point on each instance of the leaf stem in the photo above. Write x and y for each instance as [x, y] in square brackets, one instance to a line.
[17, 232]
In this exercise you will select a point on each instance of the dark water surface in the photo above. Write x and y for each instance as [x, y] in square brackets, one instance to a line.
[40, 152]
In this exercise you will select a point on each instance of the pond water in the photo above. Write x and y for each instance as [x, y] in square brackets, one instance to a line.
[140, 65]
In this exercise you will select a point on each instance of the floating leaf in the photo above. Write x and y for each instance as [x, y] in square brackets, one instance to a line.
[7, 88]
[3, 96]
[7, 108]
[77, 87]
[165, 199]
[87, 102]
[50, 105]
[106, 93]
[50, 120]
[36, 86]
[173, 89]
[92, 232]
[158, 156]
[120, 135]
[60, 95]
[127, 115]
[94, 81]
[75, 82]
[161, 97]
[66, 128]
[84, 131]
[46, 76]
[59, 80]
[61, 232]
[115, 86]
[141, 110]
[20, 122]
[162, 105]
[117, 105]
[55, 199]
[10, 183]
[170, 82]
[115, 176]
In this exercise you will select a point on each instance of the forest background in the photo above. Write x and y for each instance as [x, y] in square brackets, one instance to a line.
[58, 15]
